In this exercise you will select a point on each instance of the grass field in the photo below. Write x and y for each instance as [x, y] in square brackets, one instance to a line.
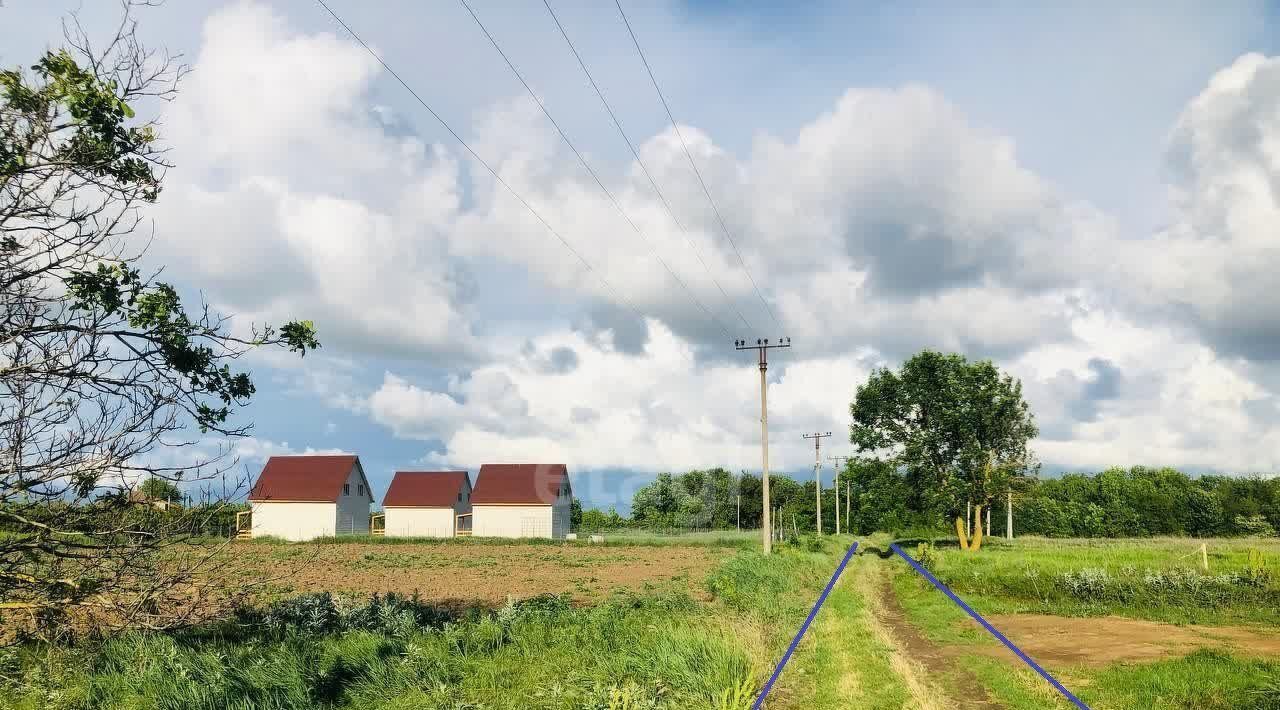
[1125, 623]
[697, 623]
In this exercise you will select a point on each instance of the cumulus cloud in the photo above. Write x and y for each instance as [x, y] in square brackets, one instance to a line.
[294, 199]
[1215, 265]
[650, 411]
[1129, 392]
[888, 223]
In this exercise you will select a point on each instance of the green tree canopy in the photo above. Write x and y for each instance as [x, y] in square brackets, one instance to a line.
[157, 488]
[959, 428]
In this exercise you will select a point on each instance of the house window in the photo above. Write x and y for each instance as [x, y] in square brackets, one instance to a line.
[459, 497]
[360, 488]
[346, 489]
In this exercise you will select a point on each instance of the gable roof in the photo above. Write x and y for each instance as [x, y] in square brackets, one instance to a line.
[425, 489]
[528, 483]
[311, 479]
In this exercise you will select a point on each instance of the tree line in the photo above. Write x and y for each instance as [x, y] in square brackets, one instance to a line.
[1135, 502]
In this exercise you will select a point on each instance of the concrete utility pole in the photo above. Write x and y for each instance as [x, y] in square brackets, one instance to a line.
[817, 470]
[839, 464]
[1008, 523]
[763, 347]
[1008, 511]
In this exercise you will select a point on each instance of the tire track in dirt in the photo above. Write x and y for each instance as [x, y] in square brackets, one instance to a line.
[965, 690]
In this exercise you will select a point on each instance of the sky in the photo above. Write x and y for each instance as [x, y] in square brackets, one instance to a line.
[1084, 194]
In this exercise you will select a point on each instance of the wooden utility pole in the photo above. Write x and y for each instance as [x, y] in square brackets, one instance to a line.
[763, 346]
[817, 470]
[839, 464]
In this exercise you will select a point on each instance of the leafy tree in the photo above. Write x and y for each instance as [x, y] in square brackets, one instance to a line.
[101, 367]
[155, 488]
[1204, 513]
[880, 495]
[594, 519]
[658, 503]
[575, 514]
[960, 430]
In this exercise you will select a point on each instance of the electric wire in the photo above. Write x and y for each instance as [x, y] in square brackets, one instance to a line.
[603, 281]
[644, 168]
[693, 164]
[591, 171]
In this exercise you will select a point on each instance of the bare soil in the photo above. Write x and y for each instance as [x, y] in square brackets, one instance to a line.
[473, 575]
[1103, 641]
[965, 690]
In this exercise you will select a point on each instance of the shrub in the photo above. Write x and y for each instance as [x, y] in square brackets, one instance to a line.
[927, 558]
[1256, 572]
[1254, 525]
[323, 613]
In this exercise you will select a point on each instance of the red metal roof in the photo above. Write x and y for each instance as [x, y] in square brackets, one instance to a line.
[529, 483]
[315, 479]
[425, 489]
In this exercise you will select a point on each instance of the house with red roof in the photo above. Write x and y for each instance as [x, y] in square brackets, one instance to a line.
[305, 497]
[427, 504]
[521, 500]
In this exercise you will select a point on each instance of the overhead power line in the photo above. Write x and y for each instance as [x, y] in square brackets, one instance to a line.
[603, 281]
[592, 171]
[636, 154]
[692, 163]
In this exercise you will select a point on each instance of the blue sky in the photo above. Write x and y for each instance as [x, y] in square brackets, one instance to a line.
[1081, 193]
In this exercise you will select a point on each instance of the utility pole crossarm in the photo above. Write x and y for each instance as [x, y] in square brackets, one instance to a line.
[763, 346]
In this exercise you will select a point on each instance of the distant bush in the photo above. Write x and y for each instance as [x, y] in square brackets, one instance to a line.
[1254, 525]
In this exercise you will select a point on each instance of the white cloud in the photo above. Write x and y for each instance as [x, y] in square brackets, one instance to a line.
[1174, 402]
[890, 222]
[651, 411]
[293, 200]
[1216, 263]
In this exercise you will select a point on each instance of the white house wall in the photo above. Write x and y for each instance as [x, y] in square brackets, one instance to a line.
[419, 522]
[293, 521]
[512, 521]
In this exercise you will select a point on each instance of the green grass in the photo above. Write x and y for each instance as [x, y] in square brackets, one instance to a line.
[1204, 680]
[1016, 578]
[652, 648]
[1157, 579]
[658, 649]
[662, 648]
[847, 659]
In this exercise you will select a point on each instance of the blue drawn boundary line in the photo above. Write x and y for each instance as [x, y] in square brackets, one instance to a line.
[1001, 637]
[804, 627]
